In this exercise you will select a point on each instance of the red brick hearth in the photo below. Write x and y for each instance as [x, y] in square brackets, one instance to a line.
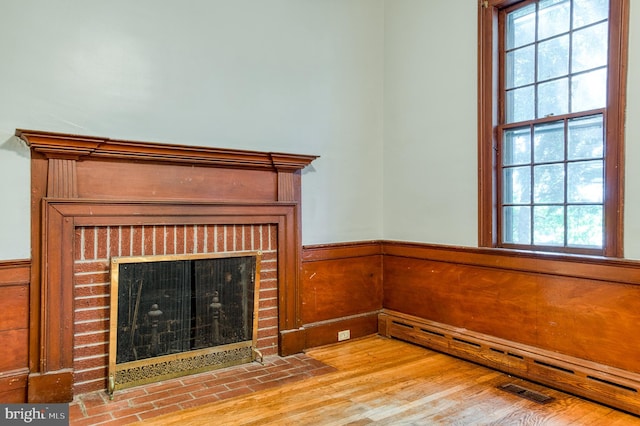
[145, 402]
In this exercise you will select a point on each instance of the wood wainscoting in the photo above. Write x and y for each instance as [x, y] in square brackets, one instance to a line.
[14, 330]
[341, 289]
[568, 322]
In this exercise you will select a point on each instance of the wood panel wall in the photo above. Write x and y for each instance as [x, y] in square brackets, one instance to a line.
[570, 322]
[565, 321]
[14, 330]
[341, 289]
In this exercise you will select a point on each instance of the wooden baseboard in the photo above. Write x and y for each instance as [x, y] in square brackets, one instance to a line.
[291, 342]
[13, 386]
[601, 383]
[326, 332]
[52, 387]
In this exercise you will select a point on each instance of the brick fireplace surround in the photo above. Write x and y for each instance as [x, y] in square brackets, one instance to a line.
[95, 246]
[94, 198]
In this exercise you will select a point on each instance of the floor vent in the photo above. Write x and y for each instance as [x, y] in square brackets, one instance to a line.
[529, 394]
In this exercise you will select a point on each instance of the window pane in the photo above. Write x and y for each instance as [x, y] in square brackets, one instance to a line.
[589, 91]
[589, 48]
[517, 185]
[554, 18]
[585, 182]
[586, 138]
[553, 58]
[553, 98]
[550, 162]
[586, 12]
[585, 226]
[549, 142]
[548, 183]
[517, 225]
[548, 225]
[520, 67]
[521, 27]
[517, 147]
[520, 105]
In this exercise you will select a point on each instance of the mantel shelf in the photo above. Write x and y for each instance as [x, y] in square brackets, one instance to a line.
[61, 145]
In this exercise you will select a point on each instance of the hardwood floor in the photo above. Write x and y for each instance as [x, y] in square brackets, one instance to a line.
[387, 382]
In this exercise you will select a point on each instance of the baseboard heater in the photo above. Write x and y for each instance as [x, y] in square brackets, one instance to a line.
[601, 383]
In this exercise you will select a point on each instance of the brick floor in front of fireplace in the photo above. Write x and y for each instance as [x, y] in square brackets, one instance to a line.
[144, 402]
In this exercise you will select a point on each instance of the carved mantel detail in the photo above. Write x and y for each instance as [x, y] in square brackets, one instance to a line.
[62, 181]
[92, 181]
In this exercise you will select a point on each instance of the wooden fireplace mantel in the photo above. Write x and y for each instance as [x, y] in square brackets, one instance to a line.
[92, 181]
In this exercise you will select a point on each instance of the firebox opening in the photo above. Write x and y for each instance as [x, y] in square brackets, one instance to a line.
[177, 315]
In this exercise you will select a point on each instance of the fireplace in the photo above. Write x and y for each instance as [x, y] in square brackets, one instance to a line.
[96, 199]
[181, 314]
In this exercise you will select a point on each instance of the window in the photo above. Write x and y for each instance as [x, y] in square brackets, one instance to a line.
[551, 107]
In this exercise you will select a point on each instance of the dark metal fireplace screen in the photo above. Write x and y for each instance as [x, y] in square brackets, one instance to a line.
[183, 314]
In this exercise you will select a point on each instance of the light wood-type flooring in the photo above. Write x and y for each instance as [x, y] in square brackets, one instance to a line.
[380, 381]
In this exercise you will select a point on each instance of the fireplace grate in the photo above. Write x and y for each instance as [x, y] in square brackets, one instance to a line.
[529, 394]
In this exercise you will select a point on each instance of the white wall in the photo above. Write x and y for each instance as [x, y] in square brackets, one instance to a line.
[329, 77]
[302, 76]
[430, 163]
